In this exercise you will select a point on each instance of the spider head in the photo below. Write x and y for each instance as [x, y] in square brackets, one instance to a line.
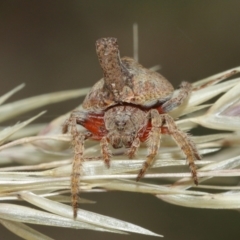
[123, 124]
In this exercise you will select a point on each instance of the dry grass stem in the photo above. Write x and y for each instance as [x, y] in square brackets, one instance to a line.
[35, 164]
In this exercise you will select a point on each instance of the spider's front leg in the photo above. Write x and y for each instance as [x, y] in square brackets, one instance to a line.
[78, 140]
[106, 153]
[181, 138]
[185, 143]
[153, 141]
[134, 147]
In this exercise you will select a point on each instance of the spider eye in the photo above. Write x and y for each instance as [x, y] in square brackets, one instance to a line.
[120, 123]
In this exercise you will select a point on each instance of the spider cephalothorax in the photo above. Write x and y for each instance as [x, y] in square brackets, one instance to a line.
[128, 106]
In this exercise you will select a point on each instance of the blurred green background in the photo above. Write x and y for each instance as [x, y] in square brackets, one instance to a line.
[50, 45]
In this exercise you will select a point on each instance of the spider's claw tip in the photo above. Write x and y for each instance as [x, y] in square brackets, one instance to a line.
[74, 215]
[140, 174]
[107, 163]
[196, 181]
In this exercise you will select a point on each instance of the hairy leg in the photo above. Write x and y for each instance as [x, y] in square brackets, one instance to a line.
[106, 153]
[181, 138]
[185, 143]
[184, 91]
[78, 139]
[153, 140]
[135, 145]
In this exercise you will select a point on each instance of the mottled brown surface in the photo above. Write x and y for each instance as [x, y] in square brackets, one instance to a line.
[125, 80]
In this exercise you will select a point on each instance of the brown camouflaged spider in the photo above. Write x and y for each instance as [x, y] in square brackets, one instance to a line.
[128, 106]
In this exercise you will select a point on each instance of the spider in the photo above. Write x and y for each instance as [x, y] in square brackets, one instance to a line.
[128, 106]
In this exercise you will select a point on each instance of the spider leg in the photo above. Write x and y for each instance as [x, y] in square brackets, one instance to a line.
[69, 122]
[135, 145]
[184, 91]
[78, 140]
[106, 153]
[185, 143]
[153, 140]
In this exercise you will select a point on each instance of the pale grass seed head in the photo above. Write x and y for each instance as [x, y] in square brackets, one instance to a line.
[35, 162]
